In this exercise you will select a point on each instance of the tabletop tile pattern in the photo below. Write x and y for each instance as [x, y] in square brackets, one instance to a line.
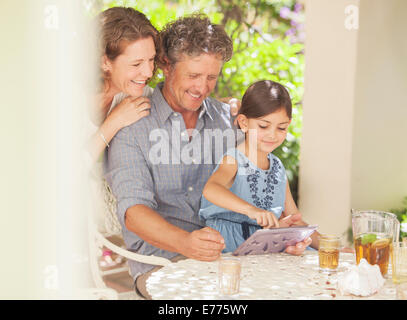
[266, 277]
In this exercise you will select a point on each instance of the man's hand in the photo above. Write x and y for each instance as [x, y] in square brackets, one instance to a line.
[234, 103]
[204, 244]
[234, 106]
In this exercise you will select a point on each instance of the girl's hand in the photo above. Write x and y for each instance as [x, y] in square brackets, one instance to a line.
[289, 220]
[264, 218]
[130, 110]
[299, 248]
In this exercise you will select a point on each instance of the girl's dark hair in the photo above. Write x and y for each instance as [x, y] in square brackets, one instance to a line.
[265, 97]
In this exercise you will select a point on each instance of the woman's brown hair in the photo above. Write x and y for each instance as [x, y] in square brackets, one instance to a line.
[119, 26]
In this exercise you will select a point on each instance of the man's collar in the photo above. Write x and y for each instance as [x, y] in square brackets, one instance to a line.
[163, 109]
[205, 109]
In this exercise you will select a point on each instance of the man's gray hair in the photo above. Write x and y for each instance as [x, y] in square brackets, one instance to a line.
[194, 35]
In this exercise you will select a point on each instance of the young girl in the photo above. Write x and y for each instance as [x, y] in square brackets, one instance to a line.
[248, 190]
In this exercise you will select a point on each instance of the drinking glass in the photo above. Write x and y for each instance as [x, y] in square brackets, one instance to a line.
[399, 263]
[328, 252]
[229, 275]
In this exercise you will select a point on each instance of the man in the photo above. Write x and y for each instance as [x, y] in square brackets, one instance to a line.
[158, 166]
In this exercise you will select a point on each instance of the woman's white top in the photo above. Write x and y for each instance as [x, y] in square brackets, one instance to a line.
[147, 92]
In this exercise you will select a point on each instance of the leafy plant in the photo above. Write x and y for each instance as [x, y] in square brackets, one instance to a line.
[401, 214]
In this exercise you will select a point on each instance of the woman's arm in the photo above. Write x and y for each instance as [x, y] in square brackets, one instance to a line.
[217, 191]
[101, 138]
[128, 111]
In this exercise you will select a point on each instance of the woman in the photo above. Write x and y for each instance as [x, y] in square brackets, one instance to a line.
[129, 44]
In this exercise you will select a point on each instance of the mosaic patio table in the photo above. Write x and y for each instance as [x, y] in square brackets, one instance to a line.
[277, 276]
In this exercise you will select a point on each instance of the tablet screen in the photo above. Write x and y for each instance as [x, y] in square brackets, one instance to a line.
[273, 240]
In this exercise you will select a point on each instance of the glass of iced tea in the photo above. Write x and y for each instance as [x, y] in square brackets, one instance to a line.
[373, 235]
[375, 248]
[328, 252]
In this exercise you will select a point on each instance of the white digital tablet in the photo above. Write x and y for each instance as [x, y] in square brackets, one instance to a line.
[274, 240]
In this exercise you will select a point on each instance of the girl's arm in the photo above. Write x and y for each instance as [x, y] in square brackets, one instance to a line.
[217, 192]
[291, 209]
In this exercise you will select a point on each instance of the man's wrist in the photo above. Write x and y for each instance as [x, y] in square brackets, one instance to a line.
[180, 241]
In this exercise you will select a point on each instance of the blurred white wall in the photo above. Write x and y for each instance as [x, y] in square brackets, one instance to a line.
[44, 89]
[353, 149]
[379, 156]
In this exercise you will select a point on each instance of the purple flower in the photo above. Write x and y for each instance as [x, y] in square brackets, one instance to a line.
[297, 7]
[294, 23]
[285, 12]
[290, 32]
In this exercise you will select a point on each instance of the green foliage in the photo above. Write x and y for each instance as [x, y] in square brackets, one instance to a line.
[267, 37]
[401, 214]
